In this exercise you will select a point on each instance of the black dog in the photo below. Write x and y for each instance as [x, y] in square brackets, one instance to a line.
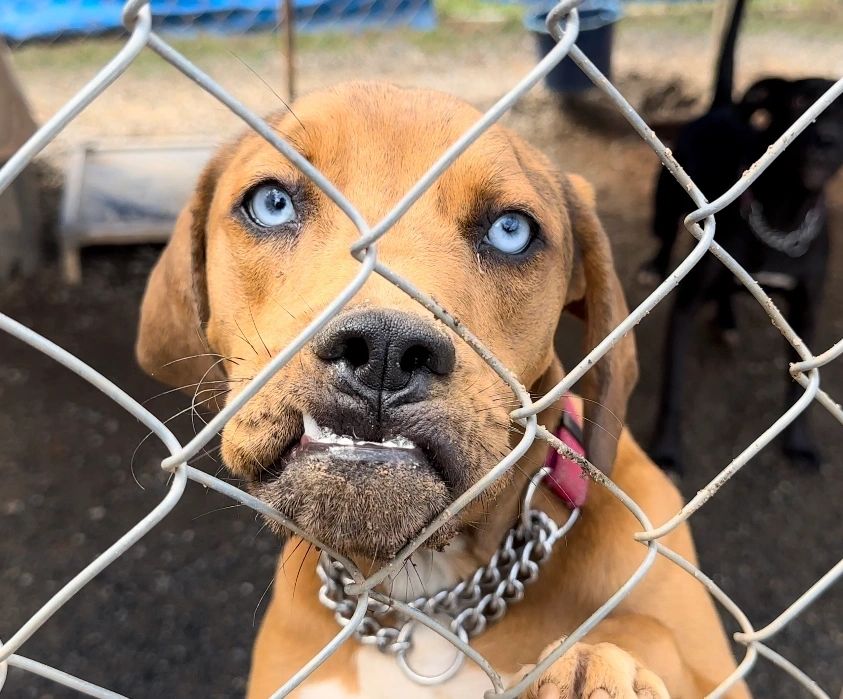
[777, 230]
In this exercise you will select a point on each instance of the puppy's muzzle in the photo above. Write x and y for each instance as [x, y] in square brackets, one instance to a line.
[387, 358]
[378, 454]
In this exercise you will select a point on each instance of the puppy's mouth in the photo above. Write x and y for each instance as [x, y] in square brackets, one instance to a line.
[319, 438]
[360, 497]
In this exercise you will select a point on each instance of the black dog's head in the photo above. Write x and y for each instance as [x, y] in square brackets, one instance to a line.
[771, 105]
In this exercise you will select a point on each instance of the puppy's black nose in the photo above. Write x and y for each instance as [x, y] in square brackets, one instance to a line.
[385, 352]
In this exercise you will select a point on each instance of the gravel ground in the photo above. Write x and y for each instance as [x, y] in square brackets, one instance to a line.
[176, 615]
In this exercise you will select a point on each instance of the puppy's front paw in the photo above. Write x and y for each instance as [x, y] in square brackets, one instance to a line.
[599, 671]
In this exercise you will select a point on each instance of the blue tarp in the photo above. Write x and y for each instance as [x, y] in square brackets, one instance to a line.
[22, 20]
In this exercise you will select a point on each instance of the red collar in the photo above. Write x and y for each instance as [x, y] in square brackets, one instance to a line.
[566, 477]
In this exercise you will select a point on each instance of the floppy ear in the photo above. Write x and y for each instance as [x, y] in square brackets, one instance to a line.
[595, 295]
[171, 344]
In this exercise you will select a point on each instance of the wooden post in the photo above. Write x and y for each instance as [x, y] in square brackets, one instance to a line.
[21, 244]
[289, 14]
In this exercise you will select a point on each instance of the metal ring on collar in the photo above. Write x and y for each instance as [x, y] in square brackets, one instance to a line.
[527, 502]
[405, 635]
[526, 507]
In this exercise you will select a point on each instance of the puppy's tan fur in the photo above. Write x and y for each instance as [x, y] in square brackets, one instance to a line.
[232, 299]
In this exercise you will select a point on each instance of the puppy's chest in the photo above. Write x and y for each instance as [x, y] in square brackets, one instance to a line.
[378, 675]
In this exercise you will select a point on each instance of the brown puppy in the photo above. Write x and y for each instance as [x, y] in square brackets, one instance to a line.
[504, 242]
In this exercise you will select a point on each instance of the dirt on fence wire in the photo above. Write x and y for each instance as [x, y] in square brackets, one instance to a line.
[177, 614]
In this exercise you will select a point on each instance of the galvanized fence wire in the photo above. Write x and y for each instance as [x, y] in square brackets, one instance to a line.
[563, 24]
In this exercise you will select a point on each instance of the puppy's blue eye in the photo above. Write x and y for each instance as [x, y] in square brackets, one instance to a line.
[269, 206]
[511, 233]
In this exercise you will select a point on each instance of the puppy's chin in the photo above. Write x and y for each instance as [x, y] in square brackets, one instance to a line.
[363, 500]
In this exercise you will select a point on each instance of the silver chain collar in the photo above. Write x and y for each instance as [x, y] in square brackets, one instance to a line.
[469, 606]
[794, 243]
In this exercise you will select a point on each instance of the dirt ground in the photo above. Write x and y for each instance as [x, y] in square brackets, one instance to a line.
[177, 614]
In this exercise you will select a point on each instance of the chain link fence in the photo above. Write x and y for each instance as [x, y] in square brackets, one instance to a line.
[563, 23]
[23, 21]
[51, 20]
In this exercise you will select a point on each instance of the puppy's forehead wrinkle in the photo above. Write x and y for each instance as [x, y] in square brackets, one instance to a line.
[393, 133]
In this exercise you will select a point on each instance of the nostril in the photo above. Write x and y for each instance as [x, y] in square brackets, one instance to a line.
[415, 358]
[434, 353]
[385, 352]
[356, 352]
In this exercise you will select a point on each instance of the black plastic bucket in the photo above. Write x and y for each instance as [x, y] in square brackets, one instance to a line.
[566, 76]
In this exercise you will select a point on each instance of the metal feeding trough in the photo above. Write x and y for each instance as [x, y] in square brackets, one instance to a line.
[124, 195]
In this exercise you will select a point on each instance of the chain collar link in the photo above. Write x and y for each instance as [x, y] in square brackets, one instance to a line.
[469, 606]
[793, 243]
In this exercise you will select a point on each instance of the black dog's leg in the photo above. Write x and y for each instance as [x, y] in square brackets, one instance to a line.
[725, 319]
[799, 445]
[666, 444]
[671, 202]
